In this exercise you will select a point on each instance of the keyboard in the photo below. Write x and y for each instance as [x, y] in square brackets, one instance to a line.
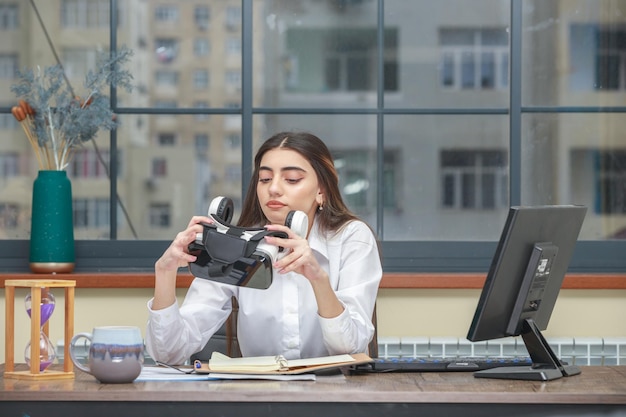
[439, 364]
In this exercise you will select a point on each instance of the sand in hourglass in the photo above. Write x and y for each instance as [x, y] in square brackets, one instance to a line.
[46, 348]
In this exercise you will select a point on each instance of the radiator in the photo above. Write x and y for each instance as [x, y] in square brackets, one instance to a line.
[576, 351]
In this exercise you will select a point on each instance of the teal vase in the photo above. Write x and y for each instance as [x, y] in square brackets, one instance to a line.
[52, 226]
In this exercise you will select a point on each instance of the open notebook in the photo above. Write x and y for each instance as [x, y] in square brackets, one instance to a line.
[220, 363]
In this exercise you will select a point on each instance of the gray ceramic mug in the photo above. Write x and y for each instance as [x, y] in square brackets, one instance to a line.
[115, 353]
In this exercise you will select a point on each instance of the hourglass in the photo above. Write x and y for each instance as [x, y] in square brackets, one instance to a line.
[47, 353]
[40, 351]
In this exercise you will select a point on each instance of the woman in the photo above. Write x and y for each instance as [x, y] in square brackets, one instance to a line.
[323, 292]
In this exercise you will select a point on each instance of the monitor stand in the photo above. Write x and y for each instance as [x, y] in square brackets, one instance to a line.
[545, 364]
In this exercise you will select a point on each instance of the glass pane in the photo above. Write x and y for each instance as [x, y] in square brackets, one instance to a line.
[188, 58]
[317, 54]
[445, 171]
[351, 140]
[578, 159]
[449, 59]
[574, 53]
[202, 161]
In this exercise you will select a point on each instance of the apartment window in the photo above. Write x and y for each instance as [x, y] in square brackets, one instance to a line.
[232, 174]
[233, 141]
[201, 47]
[85, 164]
[201, 104]
[9, 164]
[233, 46]
[8, 122]
[611, 182]
[166, 50]
[163, 77]
[473, 179]
[348, 56]
[201, 79]
[165, 104]
[91, 213]
[233, 17]
[166, 139]
[9, 17]
[357, 179]
[9, 216]
[201, 16]
[8, 65]
[165, 14]
[201, 142]
[610, 59]
[160, 215]
[82, 14]
[159, 167]
[233, 79]
[475, 59]
[78, 61]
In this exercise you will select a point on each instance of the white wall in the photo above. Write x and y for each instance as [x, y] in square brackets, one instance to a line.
[401, 312]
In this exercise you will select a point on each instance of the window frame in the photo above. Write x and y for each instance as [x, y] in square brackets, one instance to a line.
[115, 255]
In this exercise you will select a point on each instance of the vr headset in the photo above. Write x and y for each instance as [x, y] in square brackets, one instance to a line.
[236, 255]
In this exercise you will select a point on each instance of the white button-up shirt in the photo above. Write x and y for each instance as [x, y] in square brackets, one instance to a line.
[282, 319]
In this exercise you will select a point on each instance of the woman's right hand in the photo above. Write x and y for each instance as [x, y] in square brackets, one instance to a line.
[177, 254]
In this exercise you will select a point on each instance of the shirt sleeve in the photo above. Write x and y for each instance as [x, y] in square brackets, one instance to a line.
[356, 286]
[174, 333]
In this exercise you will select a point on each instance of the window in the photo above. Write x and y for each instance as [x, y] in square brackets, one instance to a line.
[164, 77]
[166, 139]
[201, 142]
[9, 164]
[348, 57]
[233, 79]
[77, 61]
[9, 17]
[160, 215]
[201, 104]
[610, 59]
[358, 179]
[85, 164]
[9, 216]
[233, 141]
[166, 14]
[233, 46]
[201, 47]
[8, 122]
[474, 58]
[200, 79]
[201, 16]
[611, 189]
[82, 14]
[473, 179]
[233, 17]
[423, 158]
[166, 50]
[159, 167]
[8, 65]
[91, 213]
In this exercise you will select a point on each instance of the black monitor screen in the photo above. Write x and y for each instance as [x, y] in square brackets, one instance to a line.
[523, 284]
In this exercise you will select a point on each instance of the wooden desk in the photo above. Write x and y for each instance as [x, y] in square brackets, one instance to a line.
[597, 391]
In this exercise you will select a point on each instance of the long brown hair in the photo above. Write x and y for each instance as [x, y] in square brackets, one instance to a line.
[334, 213]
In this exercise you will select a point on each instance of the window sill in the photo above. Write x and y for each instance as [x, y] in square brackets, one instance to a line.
[390, 280]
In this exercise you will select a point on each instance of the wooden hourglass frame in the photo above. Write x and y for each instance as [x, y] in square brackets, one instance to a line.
[36, 286]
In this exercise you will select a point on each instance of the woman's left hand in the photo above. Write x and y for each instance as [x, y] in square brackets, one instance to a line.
[299, 257]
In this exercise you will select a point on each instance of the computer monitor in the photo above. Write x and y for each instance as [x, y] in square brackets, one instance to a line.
[523, 284]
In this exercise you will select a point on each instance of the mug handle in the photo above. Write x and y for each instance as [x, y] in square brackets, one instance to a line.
[78, 336]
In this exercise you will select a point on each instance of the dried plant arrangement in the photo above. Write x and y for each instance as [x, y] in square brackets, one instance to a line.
[55, 120]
